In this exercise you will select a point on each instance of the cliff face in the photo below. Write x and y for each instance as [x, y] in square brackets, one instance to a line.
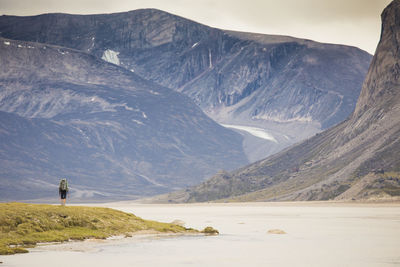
[357, 159]
[113, 134]
[291, 88]
[380, 90]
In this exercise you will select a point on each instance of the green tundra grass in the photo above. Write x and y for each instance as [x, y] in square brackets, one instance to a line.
[25, 225]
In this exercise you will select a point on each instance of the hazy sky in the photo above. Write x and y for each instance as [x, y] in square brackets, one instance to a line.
[351, 22]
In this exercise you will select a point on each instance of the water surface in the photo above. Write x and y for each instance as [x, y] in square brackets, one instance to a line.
[317, 235]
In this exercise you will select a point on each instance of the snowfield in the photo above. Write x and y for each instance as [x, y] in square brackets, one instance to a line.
[257, 132]
[111, 57]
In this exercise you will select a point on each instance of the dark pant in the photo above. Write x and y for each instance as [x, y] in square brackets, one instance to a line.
[63, 194]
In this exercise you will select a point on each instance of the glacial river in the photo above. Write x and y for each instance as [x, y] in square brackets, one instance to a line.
[317, 234]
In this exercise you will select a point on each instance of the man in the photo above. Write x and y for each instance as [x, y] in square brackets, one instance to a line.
[63, 190]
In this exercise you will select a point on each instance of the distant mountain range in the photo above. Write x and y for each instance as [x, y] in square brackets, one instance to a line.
[114, 135]
[86, 97]
[287, 87]
[359, 159]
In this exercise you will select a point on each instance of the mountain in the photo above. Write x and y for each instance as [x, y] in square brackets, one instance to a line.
[357, 159]
[114, 135]
[274, 90]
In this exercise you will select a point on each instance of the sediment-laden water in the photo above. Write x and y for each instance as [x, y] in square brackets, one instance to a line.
[316, 235]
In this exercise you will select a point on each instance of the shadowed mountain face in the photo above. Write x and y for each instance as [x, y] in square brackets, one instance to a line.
[357, 159]
[64, 113]
[290, 88]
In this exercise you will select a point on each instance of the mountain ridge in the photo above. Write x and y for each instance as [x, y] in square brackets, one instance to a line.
[355, 160]
[287, 86]
[112, 133]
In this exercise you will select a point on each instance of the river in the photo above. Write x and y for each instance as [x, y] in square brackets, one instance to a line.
[317, 234]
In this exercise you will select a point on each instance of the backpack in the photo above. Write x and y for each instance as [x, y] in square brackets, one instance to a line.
[64, 185]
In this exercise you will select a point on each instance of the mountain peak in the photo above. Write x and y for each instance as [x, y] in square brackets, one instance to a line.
[390, 13]
[380, 88]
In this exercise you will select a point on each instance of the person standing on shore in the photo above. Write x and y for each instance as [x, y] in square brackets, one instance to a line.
[63, 190]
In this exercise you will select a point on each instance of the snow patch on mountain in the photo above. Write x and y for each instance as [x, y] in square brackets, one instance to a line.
[154, 93]
[111, 57]
[138, 122]
[258, 132]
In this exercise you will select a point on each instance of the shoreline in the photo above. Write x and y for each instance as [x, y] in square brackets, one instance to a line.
[26, 225]
[144, 201]
[391, 203]
[90, 244]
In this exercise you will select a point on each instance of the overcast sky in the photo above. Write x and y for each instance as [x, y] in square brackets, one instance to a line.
[351, 22]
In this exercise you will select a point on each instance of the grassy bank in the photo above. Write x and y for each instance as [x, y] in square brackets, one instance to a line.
[25, 225]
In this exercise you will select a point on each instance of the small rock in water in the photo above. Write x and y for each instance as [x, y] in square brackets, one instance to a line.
[276, 231]
[179, 222]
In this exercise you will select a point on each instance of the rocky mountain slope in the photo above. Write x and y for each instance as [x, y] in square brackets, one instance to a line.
[287, 87]
[114, 135]
[357, 159]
